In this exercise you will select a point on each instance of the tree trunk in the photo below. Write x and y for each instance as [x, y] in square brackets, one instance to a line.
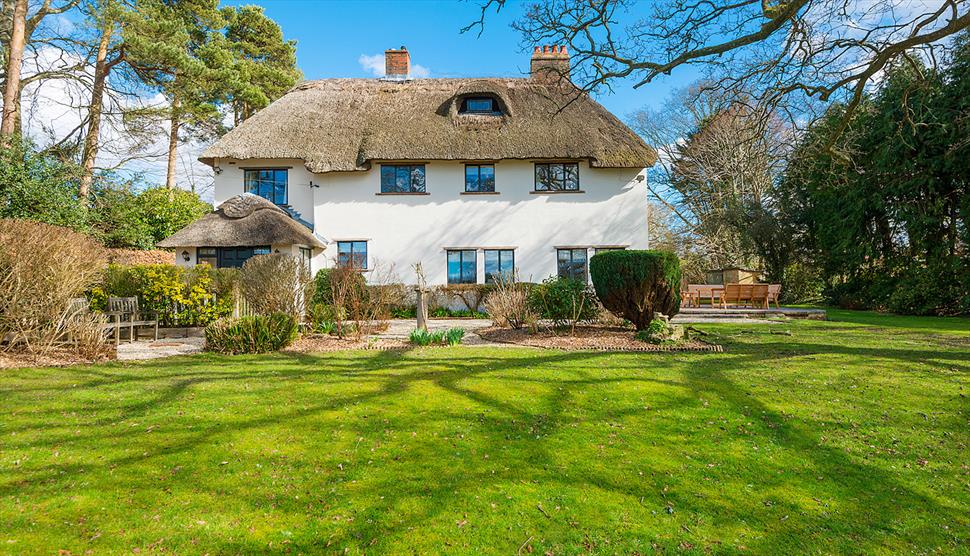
[101, 69]
[173, 141]
[11, 91]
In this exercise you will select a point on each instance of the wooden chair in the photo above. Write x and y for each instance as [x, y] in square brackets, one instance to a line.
[774, 293]
[759, 296]
[127, 313]
[689, 298]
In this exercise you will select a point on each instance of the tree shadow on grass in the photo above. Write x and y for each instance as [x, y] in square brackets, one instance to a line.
[862, 489]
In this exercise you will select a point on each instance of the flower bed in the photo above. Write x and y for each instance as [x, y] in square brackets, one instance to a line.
[597, 338]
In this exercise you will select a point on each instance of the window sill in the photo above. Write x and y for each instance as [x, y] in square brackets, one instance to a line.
[557, 192]
[479, 193]
[403, 193]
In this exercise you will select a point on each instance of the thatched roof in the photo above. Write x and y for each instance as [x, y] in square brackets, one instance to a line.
[245, 219]
[337, 125]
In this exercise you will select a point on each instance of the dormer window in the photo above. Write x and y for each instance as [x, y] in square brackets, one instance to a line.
[479, 105]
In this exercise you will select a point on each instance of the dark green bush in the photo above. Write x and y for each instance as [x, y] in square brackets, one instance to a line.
[636, 284]
[258, 334]
[563, 301]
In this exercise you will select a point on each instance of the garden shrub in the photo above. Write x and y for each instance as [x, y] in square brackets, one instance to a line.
[276, 283]
[180, 296]
[42, 267]
[564, 301]
[323, 284]
[802, 284]
[508, 304]
[635, 284]
[255, 334]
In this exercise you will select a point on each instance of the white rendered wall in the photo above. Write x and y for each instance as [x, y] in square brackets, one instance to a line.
[402, 230]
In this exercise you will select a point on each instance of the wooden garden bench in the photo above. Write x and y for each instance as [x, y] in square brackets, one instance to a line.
[127, 313]
[80, 306]
[759, 296]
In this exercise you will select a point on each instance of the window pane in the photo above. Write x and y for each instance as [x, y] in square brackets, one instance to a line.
[251, 180]
[542, 177]
[556, 176]
[571, 172]
[454, 267]
[417, 179]
[471, 178]
[479, 105]
[469, 270]
[499, 262]
[402, 181]
[388, 179]
[486, 178]
[491, 265]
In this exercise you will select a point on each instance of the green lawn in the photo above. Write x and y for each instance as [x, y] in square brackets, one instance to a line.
[848, 436]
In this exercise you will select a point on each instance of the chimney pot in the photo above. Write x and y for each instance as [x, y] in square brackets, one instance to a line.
[550, 64]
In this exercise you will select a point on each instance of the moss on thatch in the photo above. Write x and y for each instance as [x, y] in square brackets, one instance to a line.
[339, 125]
[245, 219]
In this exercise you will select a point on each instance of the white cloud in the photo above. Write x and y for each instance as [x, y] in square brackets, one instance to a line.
[374, 64]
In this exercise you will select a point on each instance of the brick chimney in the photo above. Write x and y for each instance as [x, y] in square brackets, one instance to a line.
[550, 63]
[397, 64]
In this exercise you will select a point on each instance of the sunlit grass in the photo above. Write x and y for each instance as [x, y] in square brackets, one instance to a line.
[848, 436]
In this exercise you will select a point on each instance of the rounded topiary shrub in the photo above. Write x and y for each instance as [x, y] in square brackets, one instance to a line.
[256, 334]
[636, 284]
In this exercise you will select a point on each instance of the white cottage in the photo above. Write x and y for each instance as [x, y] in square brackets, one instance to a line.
[470, 177]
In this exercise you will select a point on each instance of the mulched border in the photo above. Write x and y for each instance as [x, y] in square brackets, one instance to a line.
[644, 348]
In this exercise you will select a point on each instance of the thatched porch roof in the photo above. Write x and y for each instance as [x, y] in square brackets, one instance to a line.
[243, 220]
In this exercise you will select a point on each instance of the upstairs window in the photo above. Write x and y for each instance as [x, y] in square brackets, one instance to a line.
[499, 265]
[352, 254]
[268, 183]
[479, 105]
[400, 178]
[463, 266]
[558, 176]
[571, 263]
[479, 178]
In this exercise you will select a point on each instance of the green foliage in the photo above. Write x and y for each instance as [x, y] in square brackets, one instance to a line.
[564, 301]
[635, 284]
[138, 220]
[451, 337]
[265, 62]
[39, 186]
[454, 335]
[323, 318]
[883, 213]
[257, 334]
[181, 297]
[166, 211]
[802, 284]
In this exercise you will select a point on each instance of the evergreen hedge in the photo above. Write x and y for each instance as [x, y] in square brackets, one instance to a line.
[636, 284]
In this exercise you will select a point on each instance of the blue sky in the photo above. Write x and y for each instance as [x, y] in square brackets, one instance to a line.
[332, 36]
